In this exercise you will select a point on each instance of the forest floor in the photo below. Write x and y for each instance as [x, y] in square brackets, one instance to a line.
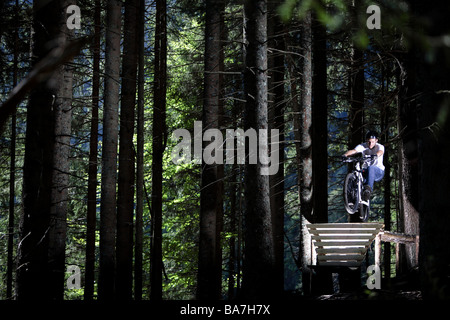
[373, 295]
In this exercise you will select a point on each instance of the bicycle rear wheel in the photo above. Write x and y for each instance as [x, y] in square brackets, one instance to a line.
[351, 194]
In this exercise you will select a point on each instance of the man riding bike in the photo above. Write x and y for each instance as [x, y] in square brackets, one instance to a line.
[375, 170]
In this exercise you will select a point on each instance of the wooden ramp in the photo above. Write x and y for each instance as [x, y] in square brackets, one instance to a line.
[342, 244]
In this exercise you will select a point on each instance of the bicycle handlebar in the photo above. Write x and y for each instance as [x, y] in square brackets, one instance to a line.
[358, 159]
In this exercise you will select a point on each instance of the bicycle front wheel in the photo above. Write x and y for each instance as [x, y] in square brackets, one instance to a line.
[351, 194]
[364, 213]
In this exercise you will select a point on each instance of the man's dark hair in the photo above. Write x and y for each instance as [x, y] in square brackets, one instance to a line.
[371, 135]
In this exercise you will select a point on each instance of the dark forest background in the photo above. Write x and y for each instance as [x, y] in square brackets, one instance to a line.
[87, 177]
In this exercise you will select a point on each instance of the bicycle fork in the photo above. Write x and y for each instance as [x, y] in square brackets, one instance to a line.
[360, 189]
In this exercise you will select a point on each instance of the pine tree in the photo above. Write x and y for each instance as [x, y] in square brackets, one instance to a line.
[93, 162]
[61, 165]
[126, 180]
[109, 151]
[32, 275]
[159, 142]
[259, 246]
[210, 253]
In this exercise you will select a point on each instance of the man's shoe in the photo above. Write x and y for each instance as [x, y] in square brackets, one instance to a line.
[366, 193]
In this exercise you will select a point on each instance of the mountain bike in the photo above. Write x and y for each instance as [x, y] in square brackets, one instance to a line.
[353, 187]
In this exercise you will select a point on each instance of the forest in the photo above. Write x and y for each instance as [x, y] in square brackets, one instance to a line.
[177, 150]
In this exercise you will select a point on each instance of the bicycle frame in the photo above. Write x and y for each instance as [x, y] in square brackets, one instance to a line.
[357, 172]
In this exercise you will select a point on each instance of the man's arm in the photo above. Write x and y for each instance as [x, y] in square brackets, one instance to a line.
[380, 151]
[350, 152]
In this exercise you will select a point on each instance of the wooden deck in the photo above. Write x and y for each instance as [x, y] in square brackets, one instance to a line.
[341, 244]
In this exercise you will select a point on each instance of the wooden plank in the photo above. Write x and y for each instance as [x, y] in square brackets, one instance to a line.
[374, 225]
[343, 231]
[351, 257]
[354, 250]
[340, 263]
[341, 243]
[343, 237]
[387, 236]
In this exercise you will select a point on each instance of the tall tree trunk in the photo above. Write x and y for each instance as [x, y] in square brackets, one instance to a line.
[386, 115]
[319, 124]
[159, 138]
[303, 136]
[61, 166]
[32, 274]
[12, 167]
[259, 248]
[276, 118]
[140, 159]
[109, 152]
[319, 139]
[233, 229]
[356, 94]
[408, 158]
[211, 203]
[433, 102]
[91, 219]
[125, 198]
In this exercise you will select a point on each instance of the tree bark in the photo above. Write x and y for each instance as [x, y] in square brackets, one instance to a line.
[32, 274]
[434, 157]
[12, 167]
[211, 203]
[408, 158]
[428, 104]
[126, 179]
[356, 95]
[61, 167]
[109, 152]
[276, 119]
[320, 139]
[319, 125]
[303, 137]
[259, 247]
[159, 138]
[91, 219]
[138, 250]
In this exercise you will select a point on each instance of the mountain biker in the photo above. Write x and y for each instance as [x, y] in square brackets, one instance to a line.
[375, 170]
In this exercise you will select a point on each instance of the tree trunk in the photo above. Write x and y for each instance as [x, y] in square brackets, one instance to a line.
[109, 152]
[303, 138]
[159, 138]
[91, 219]
[61, 167]
[211, 203]
[386, 115]
[259, 247]
[434, 154]
[276, 118]
[32, 274]
[12, 167]
[356, 93]
[319, 140]
[138, 265]
[408, 159]
[126, 180]
[319, 125]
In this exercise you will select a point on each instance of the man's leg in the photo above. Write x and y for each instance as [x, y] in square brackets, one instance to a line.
[373, 174]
